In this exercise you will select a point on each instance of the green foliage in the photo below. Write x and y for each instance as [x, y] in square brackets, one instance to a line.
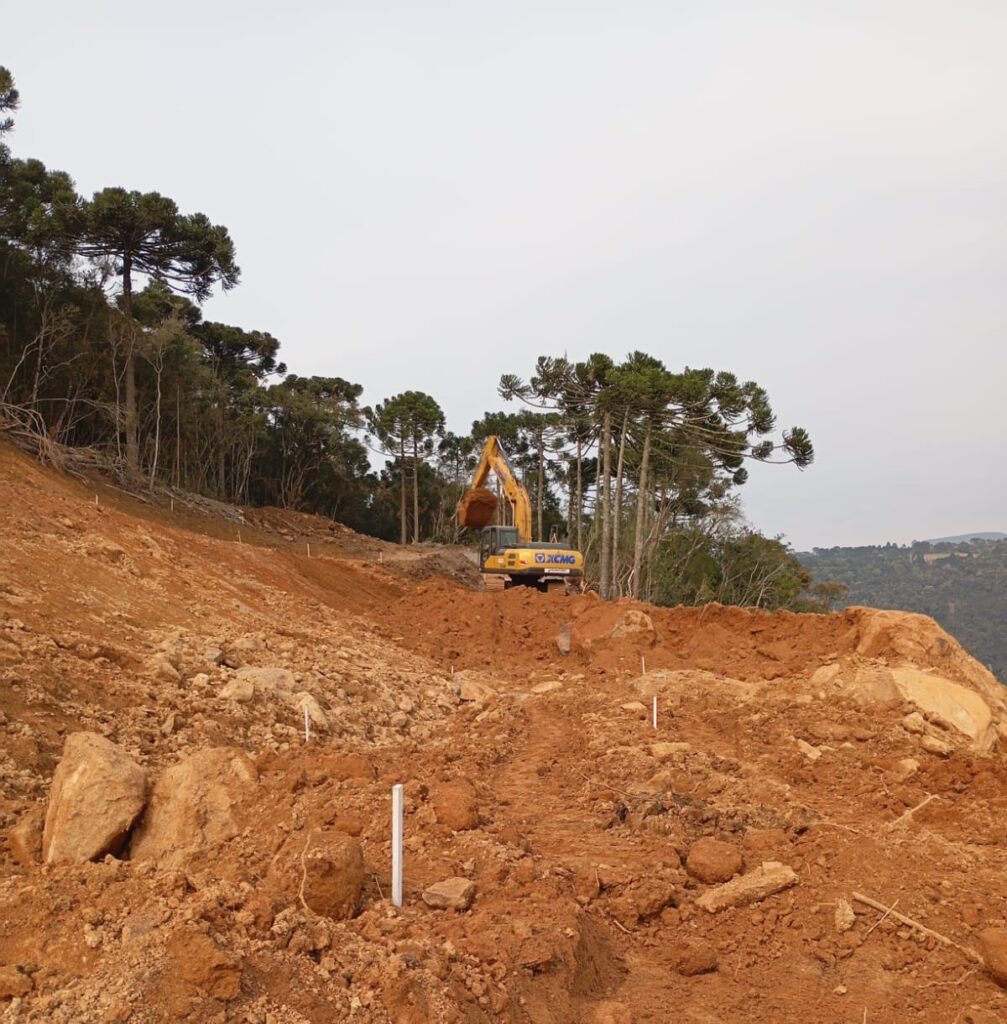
[961, 585]
[636, 463]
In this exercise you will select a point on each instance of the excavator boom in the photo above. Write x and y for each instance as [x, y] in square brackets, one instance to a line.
[472, 508]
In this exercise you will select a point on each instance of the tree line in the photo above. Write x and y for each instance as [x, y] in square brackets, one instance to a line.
[104, 348]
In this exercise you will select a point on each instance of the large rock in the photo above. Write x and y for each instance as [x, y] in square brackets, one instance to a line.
[772, 877]
[711, 860]
[97, 794]
[196, 806]
[952, 705]
[456, 804]
[325, 868]
[993, 947]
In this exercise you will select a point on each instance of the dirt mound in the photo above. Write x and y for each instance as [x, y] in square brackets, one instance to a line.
[477, 507]
[454, 564]
[579, 863]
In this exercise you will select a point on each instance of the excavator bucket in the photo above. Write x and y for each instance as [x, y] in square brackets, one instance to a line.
[476, 508]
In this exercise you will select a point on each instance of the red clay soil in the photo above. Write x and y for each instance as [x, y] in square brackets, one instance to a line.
[551, 792]
[476, 508]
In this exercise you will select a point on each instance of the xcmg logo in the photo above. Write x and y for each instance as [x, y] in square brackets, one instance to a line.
[541, 558]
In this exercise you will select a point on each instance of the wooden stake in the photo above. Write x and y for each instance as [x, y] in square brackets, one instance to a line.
[307, 724]
[912, 810]
[309, 550]
[397, 828]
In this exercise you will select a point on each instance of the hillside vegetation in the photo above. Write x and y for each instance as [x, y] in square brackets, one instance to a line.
[963, 586]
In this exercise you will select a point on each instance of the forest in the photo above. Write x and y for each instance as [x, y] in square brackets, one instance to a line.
[962, 585]
[105, 353]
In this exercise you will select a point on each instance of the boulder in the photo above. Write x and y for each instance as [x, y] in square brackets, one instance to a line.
[326, 868]
[451, 894]
[772, 877]
[993, 947]
[950, 704]
[98, 793]
[195, 807]
[455, 804]
[711, 860]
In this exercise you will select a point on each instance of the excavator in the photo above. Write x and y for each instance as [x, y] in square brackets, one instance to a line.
[507, 553]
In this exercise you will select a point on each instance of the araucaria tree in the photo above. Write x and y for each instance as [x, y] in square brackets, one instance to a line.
[669, 446]
[406, 425]
[144, 233]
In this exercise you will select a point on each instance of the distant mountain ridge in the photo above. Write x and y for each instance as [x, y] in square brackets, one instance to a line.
[960, 583]
[965, 538]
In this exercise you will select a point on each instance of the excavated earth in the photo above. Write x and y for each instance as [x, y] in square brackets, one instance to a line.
[173, 847]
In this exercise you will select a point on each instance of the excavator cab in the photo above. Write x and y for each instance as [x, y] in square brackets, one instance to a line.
[495, 540]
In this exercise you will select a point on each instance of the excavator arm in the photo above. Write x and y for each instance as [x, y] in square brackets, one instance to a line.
[494, 459]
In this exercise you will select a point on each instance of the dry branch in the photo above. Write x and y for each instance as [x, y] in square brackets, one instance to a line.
[971, 954]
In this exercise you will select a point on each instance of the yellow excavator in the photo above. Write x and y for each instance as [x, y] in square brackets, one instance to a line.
[508, 553]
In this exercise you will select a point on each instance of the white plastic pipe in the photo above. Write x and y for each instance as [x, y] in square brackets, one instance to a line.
[653, 714]
[397, 825]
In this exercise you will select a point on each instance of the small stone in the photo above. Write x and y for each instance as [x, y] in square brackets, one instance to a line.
[241, 691]
[904, 769]
[694, 956]
[161, 668]
[915, 723]
[451, 894]
[470, 687]
[711, 860]
[993, 947]
[933, 745]
[844, 918]
[13, 983]
[810, 752]
[664, 751]
[839, 990]
[563, 639]
[547, 687]
[25, 839]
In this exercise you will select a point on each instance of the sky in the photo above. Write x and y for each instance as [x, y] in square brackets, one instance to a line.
[810, 194]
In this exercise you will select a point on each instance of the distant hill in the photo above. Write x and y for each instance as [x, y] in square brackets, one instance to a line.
[964, 538]
[962, 584]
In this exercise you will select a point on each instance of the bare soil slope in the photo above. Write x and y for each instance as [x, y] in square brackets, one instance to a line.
[861, 752]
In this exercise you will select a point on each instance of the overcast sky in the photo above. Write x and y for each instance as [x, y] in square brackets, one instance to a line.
[427, 195]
